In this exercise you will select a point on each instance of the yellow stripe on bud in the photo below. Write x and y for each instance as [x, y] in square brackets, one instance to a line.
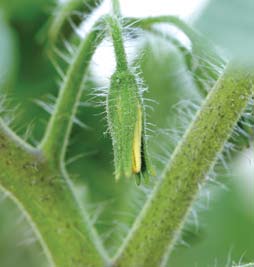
[136, 146]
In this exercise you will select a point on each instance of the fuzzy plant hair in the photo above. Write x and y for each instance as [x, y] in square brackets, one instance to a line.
[36, 178]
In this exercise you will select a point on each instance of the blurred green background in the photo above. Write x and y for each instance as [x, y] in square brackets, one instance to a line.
[220, 227]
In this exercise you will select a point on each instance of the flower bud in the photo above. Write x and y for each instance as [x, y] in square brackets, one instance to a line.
[127, 126]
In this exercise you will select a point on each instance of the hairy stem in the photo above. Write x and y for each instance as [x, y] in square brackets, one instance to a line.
[115, 30]
[59, 21]
[160, 221]
[50, 207]
[146, 23]
[202, 61]
[58, 131]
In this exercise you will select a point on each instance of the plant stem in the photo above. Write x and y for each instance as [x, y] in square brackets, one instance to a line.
[146, 23]
[116, 32]
[58, 25]
[160, 221]
[48, 203]
[116, 8]
[58, 131]
[203, 60]
[60, 18]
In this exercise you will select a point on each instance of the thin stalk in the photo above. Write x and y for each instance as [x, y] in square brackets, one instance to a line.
[189, 60]
[116, 8]
[60, 18]
[59, 128]
[45, 198]
[160, 221]
[203, 60]
[59, 27]
[115, 30]
[146, 23]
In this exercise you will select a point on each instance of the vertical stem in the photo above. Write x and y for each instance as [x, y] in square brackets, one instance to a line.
[58, 131]
[117, 37]
[116, 8]
[160, 221]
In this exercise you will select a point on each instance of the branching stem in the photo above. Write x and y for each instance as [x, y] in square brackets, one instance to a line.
[37, 181]
[44, 196]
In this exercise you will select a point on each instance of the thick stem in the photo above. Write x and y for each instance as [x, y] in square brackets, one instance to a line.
[45, 197]
[160, 221]
[58, 131]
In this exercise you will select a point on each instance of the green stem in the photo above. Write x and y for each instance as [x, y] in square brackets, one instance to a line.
[116, 8]
[60, 17]
[203, 61]
[160, 221]
[146, 23]
[44, 196]
[58, 131]
[58, 24]
[116, 32]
